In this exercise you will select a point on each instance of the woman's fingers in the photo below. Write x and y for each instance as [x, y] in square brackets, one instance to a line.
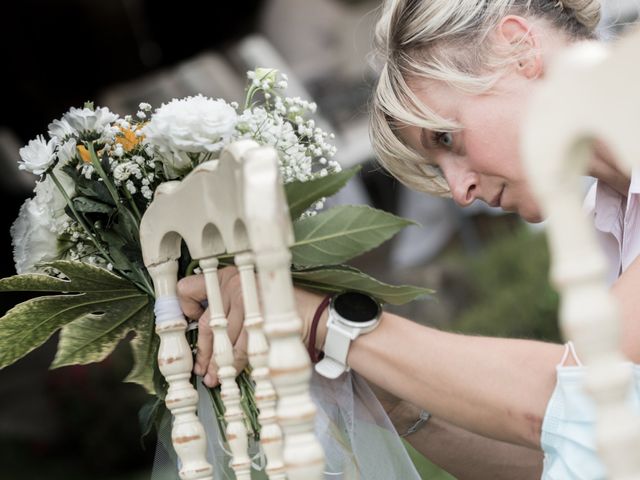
[233, 308]
[240, 361]
[205, 337]
[240, 355]
[205, 344]
[191, 293]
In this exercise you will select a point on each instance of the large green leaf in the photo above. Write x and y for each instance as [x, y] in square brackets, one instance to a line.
[301, 195]
[93, 336]
[81, 277]
[341, 233]
[145, 351]
[342, 277]
[95, 308]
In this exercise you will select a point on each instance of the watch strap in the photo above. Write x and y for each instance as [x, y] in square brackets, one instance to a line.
[336, 349]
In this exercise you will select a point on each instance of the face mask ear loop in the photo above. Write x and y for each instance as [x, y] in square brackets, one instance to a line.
[569, 349]
[573, 353]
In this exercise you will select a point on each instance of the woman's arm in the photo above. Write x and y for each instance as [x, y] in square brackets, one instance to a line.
[464, 454]
[468, 456]
[494, 387]
[491, 386]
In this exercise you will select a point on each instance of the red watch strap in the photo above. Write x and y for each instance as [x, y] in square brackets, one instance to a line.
[314, 354]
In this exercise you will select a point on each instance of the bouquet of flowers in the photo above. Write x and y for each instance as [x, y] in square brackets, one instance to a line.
[77, 239]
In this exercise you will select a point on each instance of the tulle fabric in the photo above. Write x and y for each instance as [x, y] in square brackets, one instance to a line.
[356, 434]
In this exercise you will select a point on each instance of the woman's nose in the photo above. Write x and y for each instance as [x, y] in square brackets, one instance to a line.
[463, 185]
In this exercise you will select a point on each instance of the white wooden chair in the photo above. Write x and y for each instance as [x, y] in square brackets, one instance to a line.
[235, 205]
[591, 93]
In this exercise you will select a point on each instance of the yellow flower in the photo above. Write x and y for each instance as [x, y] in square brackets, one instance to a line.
[128, 139]
[84, 153]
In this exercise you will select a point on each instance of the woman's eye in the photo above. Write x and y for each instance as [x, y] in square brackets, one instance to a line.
[444, 139]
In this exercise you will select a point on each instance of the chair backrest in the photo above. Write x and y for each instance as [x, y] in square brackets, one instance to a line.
[236, 206]
[591, 93]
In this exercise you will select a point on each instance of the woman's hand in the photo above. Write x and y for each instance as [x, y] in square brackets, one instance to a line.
[192, 293]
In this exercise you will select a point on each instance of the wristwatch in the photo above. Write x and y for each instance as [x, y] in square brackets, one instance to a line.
[350, 314]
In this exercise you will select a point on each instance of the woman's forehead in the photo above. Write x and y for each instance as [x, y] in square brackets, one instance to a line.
[438, 96]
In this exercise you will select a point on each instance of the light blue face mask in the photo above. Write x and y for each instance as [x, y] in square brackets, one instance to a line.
[568, 430]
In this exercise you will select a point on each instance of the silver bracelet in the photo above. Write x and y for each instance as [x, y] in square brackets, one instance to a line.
[424, 416]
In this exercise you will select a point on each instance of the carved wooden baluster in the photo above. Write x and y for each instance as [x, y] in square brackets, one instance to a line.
[223, 354]
[290, 368]
[258, 350]
[176, 362]
[270, 234]
[556, 151]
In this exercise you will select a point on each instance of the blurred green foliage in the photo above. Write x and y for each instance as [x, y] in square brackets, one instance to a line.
[510, 294]
[505, 293]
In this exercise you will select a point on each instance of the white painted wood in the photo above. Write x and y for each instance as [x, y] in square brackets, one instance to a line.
[589, 93]
[209, 209]
[258, 351]
[236, 431]
[175, 362]
[270, 234]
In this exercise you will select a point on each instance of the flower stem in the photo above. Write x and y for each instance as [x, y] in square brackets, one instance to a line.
[143, 284]
[111, 187]
[79, 218]
[191, 267]
[107, 181]
[133, 205]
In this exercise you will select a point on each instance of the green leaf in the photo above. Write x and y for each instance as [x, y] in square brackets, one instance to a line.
[95, 308]
[145, 351]
[342, 277]
[95, 190]
[341, 233]
[82, 277]
[93, 336]
[88, 205]
[301, 195]
[126, 227]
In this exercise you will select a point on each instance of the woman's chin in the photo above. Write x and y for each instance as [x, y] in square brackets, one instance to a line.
[533, 216]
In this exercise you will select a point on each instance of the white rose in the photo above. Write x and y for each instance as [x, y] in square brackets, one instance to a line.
[38, 155]
[32, 238]
[190, 125]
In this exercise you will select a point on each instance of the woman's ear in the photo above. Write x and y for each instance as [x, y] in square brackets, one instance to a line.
[517, 38]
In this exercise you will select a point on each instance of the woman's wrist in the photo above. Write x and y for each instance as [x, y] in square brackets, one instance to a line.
[314, 350]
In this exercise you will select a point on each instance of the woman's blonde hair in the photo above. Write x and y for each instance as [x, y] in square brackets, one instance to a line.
[446, 40]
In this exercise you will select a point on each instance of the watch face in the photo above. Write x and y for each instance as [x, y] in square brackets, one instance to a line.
[356, 307]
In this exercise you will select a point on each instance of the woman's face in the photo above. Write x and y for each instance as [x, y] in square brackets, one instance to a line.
[482, 160]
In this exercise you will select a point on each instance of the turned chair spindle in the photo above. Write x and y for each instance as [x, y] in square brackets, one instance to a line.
[234, 205]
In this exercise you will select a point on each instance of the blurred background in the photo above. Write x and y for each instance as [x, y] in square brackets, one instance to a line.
[77, 422]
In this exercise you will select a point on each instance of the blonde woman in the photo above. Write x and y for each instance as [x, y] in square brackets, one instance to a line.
[454, 85]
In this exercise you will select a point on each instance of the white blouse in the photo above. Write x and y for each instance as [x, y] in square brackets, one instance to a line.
[617, 223]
